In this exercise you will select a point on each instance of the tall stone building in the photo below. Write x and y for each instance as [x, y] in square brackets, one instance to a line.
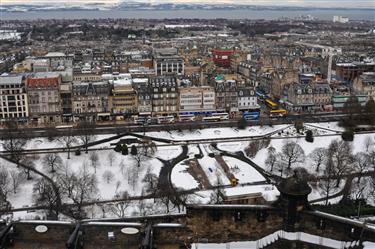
[90, 99]
[197, 99]
[164, 95]
[247, 99]
[13, 98]
[43, 90]
[308, 97]
[365, 84]
[226, 96]
[123, 99]
[168, 62]
[143, 90]
[349, 71]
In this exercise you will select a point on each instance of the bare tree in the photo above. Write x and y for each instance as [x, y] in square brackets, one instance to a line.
[292, 153]
[52, 162]
[68, 141]
[119, 208]
[111, 158]
[29, 162]
[281, 165]
[341, 156]
[86, 133]
[81, 188]
[139, 158]
[271, 158]
[94, 160]
[358, 190]
[151, 181]
[44, 195]
[217, 196]
[318, 156]
[117, 194]
[16, 179]
[327, 184]
[108, 176]
[149, 147]
[122, 167]
[371, 159]
[369, 142]
[66, 179]
[133, 176]
[361, 163]
[5, 186]
[14, 140]
[167, 198]
[144, 207]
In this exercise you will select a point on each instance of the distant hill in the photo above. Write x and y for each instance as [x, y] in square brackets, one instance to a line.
[133, 5]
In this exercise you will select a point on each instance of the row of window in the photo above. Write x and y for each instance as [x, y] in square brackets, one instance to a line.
[123, 99]
[13, 115]
[164, 90]
[161, 96]
[12, 97]
[8, 92]
[18, 103]
[190, 96]
[164, 109]
[12, 109]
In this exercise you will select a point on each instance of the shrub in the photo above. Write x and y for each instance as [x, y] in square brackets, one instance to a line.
[124, 150]
[309, 136]
[118, 148]
[242, 124]
[348, 135]
[78, 152]
[255, 146]
[133, 150]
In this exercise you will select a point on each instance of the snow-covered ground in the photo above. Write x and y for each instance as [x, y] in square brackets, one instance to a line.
[182, 179]
[212, 169]
[123, 165]
[297, 236]
[357, 145]
[213, 133]
[269, 192]
[243, 171]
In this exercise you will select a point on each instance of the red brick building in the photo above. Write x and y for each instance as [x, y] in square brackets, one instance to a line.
[222, 57]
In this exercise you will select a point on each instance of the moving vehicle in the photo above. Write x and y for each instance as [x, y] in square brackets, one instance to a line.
[186, 118]
[221, 115]
[140, 120]
[278, 113]
[166, 119]
[253, 115]
[62, 127]
[216, 117]
[271, 104]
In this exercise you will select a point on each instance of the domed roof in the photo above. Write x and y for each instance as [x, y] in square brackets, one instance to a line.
[294, 185]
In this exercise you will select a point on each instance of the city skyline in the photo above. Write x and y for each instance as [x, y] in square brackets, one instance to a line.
[301, 3]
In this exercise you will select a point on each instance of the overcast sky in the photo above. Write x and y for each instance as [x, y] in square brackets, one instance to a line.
[313, 3]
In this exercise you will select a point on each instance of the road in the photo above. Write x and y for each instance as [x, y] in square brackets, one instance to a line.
[119, 128]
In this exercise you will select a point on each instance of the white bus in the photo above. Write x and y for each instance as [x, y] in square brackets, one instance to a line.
[166, 119]
[211, 119]
[62, 127]
[140, 120]
[220, 116]
[186, 118]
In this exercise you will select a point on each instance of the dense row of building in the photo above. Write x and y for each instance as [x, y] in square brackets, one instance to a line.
[95, 85]
[46, 98]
